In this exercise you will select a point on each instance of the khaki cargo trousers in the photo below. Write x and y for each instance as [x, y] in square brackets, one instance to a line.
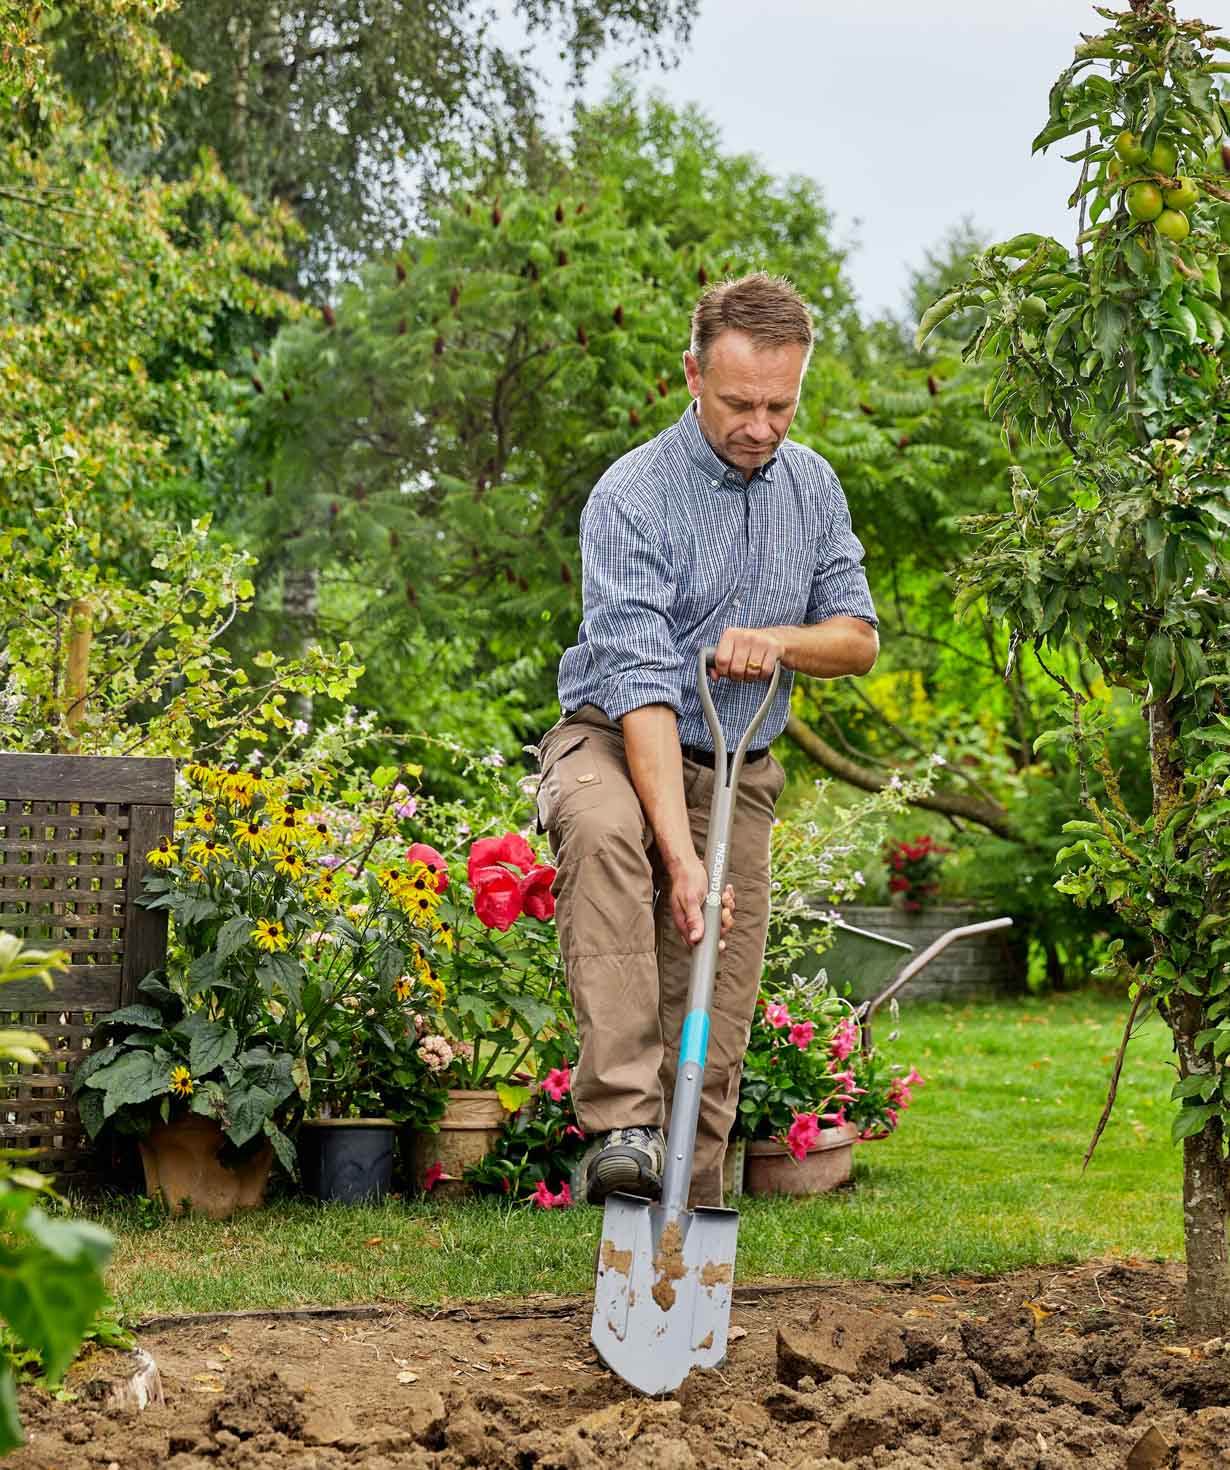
[626, 963]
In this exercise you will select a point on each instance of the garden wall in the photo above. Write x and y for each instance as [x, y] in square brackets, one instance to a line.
[969, 969]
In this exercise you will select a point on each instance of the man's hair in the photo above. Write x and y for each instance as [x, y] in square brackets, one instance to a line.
[767, 308]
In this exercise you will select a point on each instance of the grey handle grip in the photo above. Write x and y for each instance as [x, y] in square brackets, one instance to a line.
[690, 1073]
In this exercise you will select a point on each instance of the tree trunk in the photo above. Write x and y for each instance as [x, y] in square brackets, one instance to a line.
[1206, 1199]
[1205, 1194]
[299, 593]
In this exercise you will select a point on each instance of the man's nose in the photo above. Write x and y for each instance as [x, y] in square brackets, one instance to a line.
[760, 429]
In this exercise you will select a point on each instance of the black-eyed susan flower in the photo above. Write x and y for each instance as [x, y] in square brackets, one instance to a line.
[402, 987]
[181, 1082]
[205, 818]
[290, 863]
[423, 905]
[284, 825]
[325, 888]
[434, 984]
[443, 932]
[163, 855]
[251, 835]
[236, 786]
[208, 850]
[270, 935]
[201, 775]
[317, 833]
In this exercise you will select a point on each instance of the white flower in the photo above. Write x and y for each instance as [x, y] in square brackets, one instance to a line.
[300, 727]
[493, 758]
[895, 782]
[256, 757]
[435, 1053]
[937, 759]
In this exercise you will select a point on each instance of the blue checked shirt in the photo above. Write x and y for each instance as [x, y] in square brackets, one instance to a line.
[676, 547]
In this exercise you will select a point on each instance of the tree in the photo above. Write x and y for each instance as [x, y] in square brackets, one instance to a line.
[1116, 357]
[332, 107]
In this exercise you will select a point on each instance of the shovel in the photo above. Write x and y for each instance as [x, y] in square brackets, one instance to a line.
[666, 1273]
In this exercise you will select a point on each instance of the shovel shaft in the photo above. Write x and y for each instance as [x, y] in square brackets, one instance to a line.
[694, 1044]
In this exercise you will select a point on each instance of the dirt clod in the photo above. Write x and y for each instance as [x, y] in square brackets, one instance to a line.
[848, 1341]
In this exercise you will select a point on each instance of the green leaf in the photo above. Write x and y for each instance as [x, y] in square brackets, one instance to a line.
[90, 1111]
[213, 1044]
[249, 1109]
[282, 1147]
[233, 936]
[140, 1018]
[1109, 319]
[11, 1436]
[939, 310]
[132, 1080]
[1191, 1120]
[51, 1286]
[1159, 664]
[513, 1096]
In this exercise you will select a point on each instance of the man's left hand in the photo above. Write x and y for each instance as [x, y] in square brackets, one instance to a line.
[728, 912]
[748, 653]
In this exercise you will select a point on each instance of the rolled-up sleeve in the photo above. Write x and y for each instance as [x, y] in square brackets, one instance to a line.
[627, 588]
[839, 587]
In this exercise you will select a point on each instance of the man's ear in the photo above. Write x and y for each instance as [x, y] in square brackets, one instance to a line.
[691, 371]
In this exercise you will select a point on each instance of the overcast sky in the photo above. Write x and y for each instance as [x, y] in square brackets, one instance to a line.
[908, 113]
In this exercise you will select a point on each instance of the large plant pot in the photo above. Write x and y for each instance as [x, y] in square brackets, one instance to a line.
[181, 1164]
[468, 1132]
[347, 1160]
[772, 1169]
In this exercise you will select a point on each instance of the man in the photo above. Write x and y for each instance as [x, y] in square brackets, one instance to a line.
[718, 531]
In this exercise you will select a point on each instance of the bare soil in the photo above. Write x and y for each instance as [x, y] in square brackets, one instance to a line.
[1076, 1367]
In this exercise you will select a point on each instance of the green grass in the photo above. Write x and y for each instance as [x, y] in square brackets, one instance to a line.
[984, 1176]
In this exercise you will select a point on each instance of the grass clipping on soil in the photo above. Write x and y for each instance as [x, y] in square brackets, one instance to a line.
[1079, 1367]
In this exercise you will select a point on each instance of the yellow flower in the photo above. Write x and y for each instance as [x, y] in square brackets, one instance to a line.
[325, 888]
[402, 987]
[205, 818]
[392, 879]
[252, 835]
[201, 775]
[270, 934]
[443, 932]
[316, 833]
[433, 983]
[207, 851]
[290, 863]
[422, 905]
[237, 786]
[181, 1082]
[163, 855]
[285, 826]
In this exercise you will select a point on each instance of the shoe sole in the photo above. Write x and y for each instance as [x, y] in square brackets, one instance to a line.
[620, 1172]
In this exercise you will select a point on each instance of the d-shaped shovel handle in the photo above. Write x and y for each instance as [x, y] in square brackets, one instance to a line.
[694, 1043]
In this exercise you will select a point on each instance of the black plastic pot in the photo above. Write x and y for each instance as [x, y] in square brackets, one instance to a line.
[348, 1160]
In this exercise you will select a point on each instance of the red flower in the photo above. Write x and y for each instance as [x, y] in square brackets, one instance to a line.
[433, 1176]
[497, 897]
[898, 885]
[536, 897]
[512, 848]
[419, 852]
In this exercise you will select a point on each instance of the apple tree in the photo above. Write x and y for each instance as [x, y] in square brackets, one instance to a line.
[1116, 355]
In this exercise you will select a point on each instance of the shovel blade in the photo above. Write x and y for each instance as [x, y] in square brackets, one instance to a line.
[663, 1293]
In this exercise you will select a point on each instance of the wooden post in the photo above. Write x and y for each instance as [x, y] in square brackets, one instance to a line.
[77, 676]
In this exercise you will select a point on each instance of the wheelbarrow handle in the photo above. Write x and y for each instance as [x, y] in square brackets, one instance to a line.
[694, 1043]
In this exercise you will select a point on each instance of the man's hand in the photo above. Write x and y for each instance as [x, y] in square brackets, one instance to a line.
[748, 653]
[689, 889]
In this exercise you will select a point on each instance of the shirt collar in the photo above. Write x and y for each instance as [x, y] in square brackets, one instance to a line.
[709, 462]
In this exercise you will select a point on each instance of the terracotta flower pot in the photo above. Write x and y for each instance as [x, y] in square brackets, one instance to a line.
[772, 1169]
[181, 1163]
[467, 1133]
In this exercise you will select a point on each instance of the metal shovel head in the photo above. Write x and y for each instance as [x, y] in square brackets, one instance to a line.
[662, 1298]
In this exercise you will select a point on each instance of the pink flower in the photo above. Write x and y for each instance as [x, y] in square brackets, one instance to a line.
[572, 1131]
[777, 1015]
[838, 1119]
[545, 1200]
[912, 1078]
[557, 1082]
[844, 1039]
[801, 1034]
[844, 1080]
[497, 897]
[536, 897]
[419, 852]
[803, 1133]
[433, 1176]
[406, 809]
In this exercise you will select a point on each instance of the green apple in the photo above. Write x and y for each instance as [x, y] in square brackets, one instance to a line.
[1164, 157]
[1184, 196]
[1173, 224]
[1127, 146]
[1144, 201]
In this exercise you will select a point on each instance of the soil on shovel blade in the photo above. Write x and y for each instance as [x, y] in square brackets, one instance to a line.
[1076, 1367]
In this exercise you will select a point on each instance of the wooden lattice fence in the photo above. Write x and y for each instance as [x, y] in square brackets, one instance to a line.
[74, 832]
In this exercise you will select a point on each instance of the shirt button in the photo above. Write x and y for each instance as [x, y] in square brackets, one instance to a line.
[715, 483]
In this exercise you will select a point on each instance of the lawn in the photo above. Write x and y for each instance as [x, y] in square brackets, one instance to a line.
[983, 1176]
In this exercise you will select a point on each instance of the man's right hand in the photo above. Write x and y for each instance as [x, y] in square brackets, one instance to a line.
[689, 889]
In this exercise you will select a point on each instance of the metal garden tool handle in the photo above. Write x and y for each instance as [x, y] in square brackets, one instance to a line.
[694, 1043]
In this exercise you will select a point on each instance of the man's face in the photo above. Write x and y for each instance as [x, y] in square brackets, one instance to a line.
[746, 397]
